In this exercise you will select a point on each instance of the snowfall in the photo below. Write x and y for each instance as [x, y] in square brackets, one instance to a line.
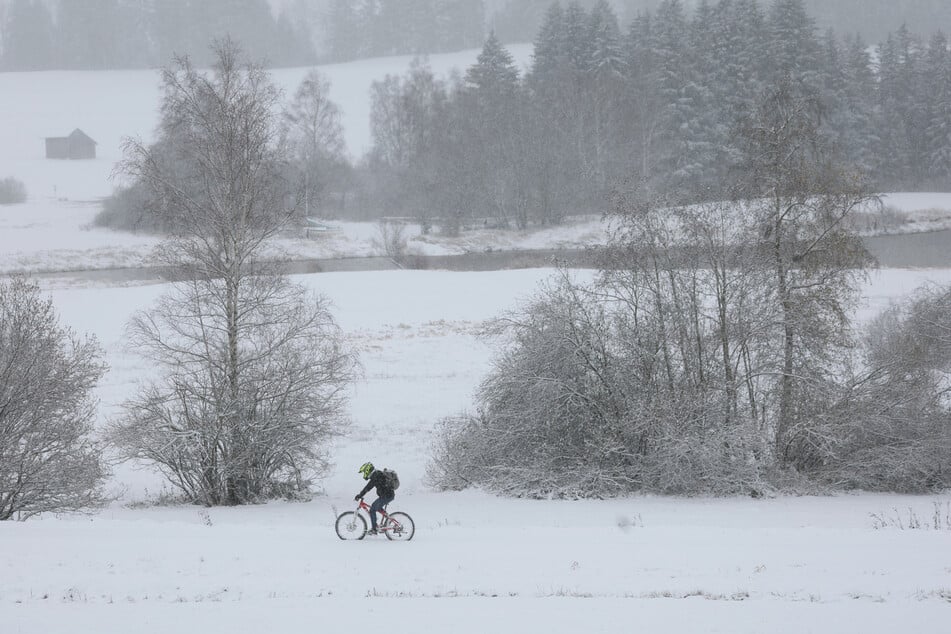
[839, 563]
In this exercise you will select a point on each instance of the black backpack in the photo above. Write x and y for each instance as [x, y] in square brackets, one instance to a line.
[392, 480]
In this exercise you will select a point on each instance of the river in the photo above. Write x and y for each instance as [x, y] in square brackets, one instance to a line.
[914, 250]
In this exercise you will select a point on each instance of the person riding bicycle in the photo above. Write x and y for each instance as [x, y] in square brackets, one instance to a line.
[384, 491]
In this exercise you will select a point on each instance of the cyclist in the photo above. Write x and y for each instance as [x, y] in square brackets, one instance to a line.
[384, 491]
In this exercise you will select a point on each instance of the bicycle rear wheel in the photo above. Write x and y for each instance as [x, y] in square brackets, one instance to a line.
[351, 525]
[401, 527]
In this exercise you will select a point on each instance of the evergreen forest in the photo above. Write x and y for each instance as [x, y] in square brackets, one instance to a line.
[657, 104]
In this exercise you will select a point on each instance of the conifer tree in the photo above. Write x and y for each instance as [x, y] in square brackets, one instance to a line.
[936, 78]
[902, 122]
[491, 102]
[669, 47]
[550, 50]
[860, 136]
[605, 78]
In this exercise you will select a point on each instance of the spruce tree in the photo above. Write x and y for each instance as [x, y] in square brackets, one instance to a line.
[551, 45]
[860, 134]
[794, 47]
[936, 78]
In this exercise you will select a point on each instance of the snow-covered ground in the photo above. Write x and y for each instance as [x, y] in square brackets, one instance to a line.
[58, 236]
[478, 563]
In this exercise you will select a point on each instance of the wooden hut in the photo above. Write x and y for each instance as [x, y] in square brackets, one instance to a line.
[77, 145]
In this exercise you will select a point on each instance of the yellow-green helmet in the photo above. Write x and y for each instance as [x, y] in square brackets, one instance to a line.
[366, 469]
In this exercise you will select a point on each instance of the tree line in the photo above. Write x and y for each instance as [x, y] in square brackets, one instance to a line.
[101, 34]
[716, 352]
[371, 28]
[111, 34]
[108, 34]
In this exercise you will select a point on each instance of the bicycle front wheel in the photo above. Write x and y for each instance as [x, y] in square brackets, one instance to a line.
[351, 525]
[401, 527]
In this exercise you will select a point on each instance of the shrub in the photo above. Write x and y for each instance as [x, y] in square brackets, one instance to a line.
[12, 191]
[392, 238]
[897, 436]
[565, 414]
[131, 209]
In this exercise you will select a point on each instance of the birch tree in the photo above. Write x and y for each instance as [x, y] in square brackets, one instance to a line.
[252, 367]
[315, 135]
[802, 199]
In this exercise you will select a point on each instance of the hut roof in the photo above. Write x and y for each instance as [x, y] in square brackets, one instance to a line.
[79, 135]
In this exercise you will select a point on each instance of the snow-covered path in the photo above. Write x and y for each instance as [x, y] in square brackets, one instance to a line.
[479, 563]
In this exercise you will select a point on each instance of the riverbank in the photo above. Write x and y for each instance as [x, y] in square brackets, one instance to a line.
[56, 239]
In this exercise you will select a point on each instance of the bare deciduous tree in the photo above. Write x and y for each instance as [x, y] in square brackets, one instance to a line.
[48, 458]
[803, 199]
[230, 429]
[315, 135]
[253, 369]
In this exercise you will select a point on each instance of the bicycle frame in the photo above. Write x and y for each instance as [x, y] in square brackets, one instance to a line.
[387, 523]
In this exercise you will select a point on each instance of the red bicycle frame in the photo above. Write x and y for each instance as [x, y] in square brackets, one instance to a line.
[388, 523]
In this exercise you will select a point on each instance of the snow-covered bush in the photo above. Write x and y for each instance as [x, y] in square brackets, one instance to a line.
[12, 191]
[392, 238]
[898, 434]
[574, 408]
[131, 209]
[48, 459]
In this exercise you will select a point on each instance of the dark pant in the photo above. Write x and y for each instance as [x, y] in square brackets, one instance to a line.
[376, 507]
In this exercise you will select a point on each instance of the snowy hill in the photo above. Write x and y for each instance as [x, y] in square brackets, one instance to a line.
[112, 105]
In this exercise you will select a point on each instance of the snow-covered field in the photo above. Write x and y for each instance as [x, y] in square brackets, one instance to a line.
[477, 563]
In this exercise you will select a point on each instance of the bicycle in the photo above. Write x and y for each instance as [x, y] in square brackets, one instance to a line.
[397, 526]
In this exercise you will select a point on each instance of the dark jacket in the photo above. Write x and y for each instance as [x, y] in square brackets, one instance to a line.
[378, 480]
